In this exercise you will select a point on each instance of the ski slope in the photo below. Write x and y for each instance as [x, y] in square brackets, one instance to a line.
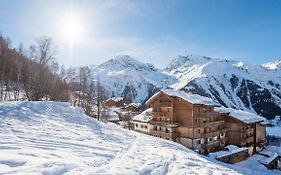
[55, 138]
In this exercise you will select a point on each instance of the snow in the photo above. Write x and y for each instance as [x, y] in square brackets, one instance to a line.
[117, 99]
[243, 116]
[143, 117]
[189, 97]
[273, 65]
[200, 74]
[55, 138]
[269, 159]
[274, 130]
[212, 77]
[252, 165]
[232, 149]
[124, 72]
[136, 105]
[112, 114]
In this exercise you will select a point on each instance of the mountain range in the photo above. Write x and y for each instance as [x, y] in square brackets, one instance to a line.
[236, 84]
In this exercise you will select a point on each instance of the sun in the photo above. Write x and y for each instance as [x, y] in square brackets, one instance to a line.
[71, 28]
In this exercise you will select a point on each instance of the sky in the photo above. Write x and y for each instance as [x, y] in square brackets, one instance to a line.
[154, 31]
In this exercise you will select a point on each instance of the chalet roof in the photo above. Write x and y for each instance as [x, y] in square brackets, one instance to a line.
[232, 149]
[136, 105]
[268, 160]
[189, 97]
[117, 99]
[143, 117]
[243, 116]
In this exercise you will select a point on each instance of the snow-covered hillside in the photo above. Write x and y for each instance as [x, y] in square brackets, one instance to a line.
[125, 76]
[54, 138]
[232, 83]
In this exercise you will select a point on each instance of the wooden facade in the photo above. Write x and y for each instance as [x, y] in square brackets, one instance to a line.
[111, 102]
[244, 134]
[196, 126]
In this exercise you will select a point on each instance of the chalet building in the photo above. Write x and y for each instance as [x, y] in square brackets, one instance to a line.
[188, 119]
[133, 107]
[244, 128]
[114, 102]
[141, 122]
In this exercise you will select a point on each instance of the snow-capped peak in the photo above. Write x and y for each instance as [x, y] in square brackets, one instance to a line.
[188, 60]
[273, 65]
[126, 61]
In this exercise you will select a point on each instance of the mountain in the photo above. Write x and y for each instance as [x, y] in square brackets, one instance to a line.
[54, 138]
[276, 65]
[236, 84]
[124, 76]
[251, 87]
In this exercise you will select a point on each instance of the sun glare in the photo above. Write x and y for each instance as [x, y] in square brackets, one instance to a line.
[71, 28]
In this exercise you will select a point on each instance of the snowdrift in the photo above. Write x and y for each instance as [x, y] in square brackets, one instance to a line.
[55, 138]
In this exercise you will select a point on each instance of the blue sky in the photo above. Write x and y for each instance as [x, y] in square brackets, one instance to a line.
[151, 31]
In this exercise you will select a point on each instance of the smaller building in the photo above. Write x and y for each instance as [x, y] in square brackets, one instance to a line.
[244, 128]
[231, 154]
[141, 121]
[133, 107]
[112, 114]
[271, 161]
[114, 102]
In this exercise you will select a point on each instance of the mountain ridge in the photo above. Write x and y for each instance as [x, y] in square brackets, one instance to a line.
[232, 83]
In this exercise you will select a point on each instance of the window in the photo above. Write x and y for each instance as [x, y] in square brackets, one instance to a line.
[136, 125]
[215, 138]
[199, 131]
[145, 126]
[199, 142]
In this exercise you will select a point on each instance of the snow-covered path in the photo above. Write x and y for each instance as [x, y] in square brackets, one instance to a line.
[54, 138]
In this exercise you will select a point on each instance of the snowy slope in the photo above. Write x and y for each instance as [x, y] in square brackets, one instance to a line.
[124, 76]
[54, 138]
[235, 84]
[273, 65]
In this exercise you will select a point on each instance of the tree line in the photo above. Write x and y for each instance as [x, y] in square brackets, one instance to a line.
[31, 73]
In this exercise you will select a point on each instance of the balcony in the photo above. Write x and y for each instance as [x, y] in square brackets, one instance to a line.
[211, 145]
[213, 123]
[164, 124]
[163, 134]
[210, 134]
[205, 115]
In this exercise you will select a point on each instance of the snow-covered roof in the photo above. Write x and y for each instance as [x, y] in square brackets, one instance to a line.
[243, 116]
[189, 97]
[117, 99]
[231, 147]
[268, 160]
[143, 117]
[220, 154]
[112, 114]
[136, 105]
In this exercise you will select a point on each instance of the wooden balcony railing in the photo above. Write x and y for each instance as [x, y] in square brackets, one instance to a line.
[164, 124]
[163, 134]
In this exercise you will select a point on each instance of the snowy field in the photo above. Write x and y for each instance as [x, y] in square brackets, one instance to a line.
[54, 138]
